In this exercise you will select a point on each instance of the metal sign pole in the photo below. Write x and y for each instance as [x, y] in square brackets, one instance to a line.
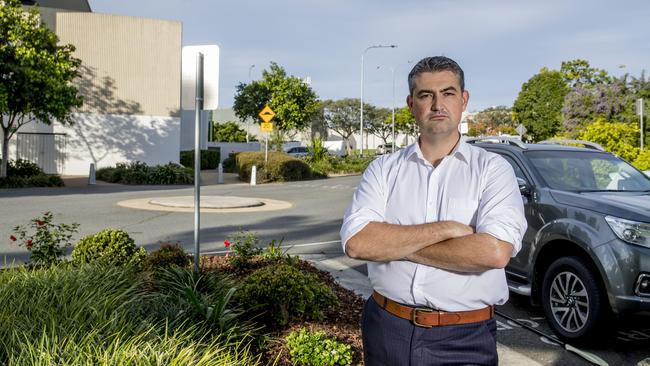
[640, 102]
[266, 148]
[197, 158]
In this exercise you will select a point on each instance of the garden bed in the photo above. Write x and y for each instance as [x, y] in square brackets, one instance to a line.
[342, 322]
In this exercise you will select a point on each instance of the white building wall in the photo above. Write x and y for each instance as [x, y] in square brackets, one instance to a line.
[106, 140]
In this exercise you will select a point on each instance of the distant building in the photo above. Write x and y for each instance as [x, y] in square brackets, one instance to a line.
[130, 80]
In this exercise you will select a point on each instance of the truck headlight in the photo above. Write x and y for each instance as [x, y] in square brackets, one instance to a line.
[633, 232]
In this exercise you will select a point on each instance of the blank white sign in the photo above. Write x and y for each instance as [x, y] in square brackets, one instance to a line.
[210, 76]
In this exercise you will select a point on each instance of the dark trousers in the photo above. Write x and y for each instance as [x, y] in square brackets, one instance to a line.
[392, 341]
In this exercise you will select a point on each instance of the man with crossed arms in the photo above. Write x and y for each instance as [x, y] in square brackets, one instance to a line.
[437, 221]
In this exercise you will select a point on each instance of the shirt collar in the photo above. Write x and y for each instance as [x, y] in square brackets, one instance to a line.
[462, 151]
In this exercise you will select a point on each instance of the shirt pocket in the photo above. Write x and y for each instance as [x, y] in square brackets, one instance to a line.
[462, 210]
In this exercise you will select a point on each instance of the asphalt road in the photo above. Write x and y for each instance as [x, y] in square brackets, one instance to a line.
[309, 226]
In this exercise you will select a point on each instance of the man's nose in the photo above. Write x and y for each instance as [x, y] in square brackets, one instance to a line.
[436, 104]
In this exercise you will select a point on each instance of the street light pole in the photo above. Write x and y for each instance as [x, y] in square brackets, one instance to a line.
[248, 125]
[361, 108]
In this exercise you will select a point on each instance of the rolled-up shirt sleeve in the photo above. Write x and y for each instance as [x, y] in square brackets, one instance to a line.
[368, 203]
[501, 209]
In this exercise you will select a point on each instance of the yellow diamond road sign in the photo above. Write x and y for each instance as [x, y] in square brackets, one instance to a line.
[267, 114]
[266, 127]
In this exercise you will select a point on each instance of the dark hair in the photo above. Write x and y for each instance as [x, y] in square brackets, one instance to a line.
[436, 64]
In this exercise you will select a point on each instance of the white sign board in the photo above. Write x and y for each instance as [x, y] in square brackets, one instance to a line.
[210, 76]
[464, 128]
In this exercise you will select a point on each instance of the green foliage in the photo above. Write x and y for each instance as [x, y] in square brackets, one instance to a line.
[229, 132]
[579, 73]
[492, 121]
[279, 167]
[317, 349]
[618, 138]
[41, 180]
[282, 293]
[139, 173]
[203, 298]
[110, 246]
[642, 161]
[169, 255]
[23, 168]
[274, 253]
[380, 123]
[293, 101]
[100, 315]
[539, 104]
[341, 116]
[244, 245]
[48, 240]
[340, 165]
[209, 159]
[37, 74]
[317, 150]
[230, 163]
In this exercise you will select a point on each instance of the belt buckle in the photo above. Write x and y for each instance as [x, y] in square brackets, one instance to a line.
[414, 313]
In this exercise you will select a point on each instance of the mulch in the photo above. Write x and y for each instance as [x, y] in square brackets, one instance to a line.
[341, 322]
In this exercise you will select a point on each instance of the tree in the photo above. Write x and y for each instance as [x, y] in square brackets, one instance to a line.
[405, 122]
[342, 116]
[293, 101]
[539, 104]
[228, 132]
[380, 122]
[35, 74]
[608, 102]
[579, 73]
[492, 121]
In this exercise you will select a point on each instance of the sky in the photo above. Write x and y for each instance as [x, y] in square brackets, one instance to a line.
[500, 44]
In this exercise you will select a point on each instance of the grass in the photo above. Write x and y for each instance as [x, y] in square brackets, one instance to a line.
[101, 315]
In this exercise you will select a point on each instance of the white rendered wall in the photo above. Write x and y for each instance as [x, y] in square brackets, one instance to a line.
[106, 140]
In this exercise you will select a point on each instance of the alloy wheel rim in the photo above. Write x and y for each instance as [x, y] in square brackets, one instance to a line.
[569, 302]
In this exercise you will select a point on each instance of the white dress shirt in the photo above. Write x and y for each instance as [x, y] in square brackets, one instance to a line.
[472, 186]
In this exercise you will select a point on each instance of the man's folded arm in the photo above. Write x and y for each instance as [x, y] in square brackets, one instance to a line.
[471, 253]
[382, 242]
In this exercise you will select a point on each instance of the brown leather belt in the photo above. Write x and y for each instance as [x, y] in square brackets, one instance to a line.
[427, 318]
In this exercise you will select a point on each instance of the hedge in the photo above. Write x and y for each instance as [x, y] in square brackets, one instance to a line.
[209, 159]
[280, 167]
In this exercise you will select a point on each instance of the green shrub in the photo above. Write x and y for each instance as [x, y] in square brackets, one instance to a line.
[244, 246]
[45, 240]
[23, 168]
[316, 349]
[169, 255]
[209, 159]
[110, 246]
[279, 167]
[100, 315]
[40, 180]
[282, 293]
[230, 163]
[139, 173]
[317, 150]
[642, 161]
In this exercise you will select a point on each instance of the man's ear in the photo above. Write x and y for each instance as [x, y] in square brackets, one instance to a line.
[409, 101]
[465, 99]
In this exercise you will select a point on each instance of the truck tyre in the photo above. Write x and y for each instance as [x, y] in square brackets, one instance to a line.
[574, 303]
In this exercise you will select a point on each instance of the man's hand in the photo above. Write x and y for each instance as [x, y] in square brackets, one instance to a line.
[382, 242]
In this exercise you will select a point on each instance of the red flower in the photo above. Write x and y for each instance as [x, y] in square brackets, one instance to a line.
[29, 243]
[40, 222]
[226, 243]
[13, 238]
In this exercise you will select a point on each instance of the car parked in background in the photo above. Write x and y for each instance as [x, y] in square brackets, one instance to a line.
[385, 149]
[298, 151]
[586, 253]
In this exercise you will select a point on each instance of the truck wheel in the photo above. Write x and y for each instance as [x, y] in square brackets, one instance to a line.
[574, 303]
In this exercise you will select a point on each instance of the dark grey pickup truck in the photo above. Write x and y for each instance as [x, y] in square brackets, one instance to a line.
[586, 253]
